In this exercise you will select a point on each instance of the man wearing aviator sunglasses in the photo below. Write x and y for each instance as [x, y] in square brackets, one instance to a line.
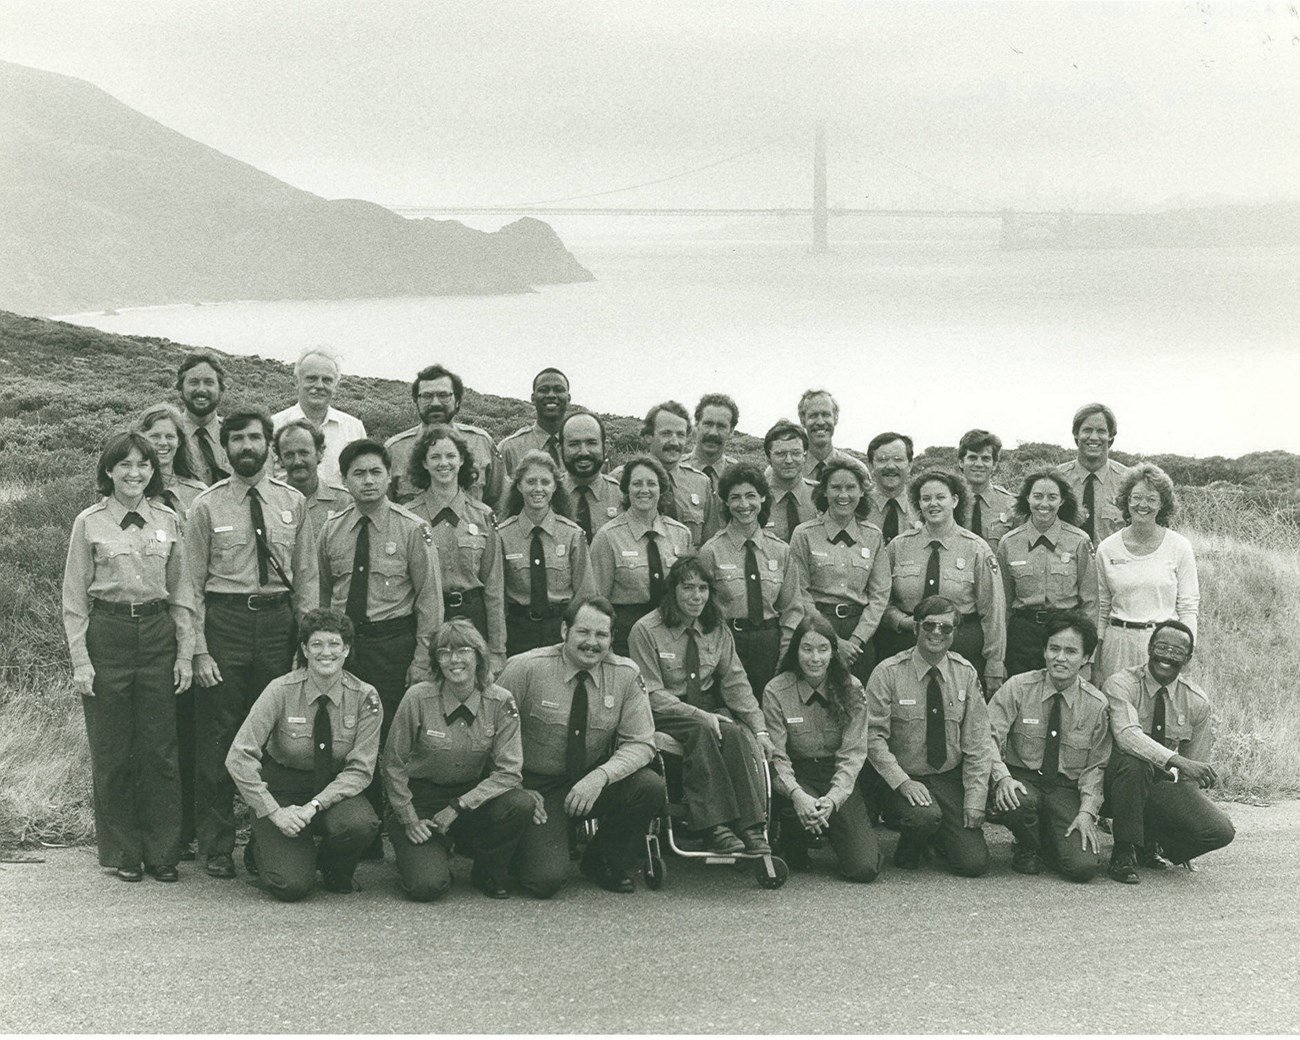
[1161, 723]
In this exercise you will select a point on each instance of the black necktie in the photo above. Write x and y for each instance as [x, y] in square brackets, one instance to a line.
[584, 510]
[1090, 505]
[446, 515]
[932, 570]
[359, 584]
[818, 470]
[170, 500]
[712, 474]
[936, 739]
[656, 565]
[753, 585]
[1158, 716]
[553, 449]
[322, 746]
[1052, 749]
[259, 534]
[791, 514]
[694, 695]
[575, 747]
[1041, 540]
[537, 596]
[132, 519]
[976, 518]
[890, 529]
[842, 538]
[461, 712]
[209, 456]
[668, 500]
[818, 698]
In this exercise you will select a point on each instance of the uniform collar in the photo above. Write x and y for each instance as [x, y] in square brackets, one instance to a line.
[568, 670]
[117, 511]
[548, 523]
[1070, 695]
[639, 529]
[311, 694]
[921, 667]
[448, 702]
[806, 693]
[832, 528]
[326, 492]
[379, 518]
[881, 501]
[212, 424]
[738, 540]
[240, 488]
[1052, 534]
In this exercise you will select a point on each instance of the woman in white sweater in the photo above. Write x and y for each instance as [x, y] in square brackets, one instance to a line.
[1145, 572]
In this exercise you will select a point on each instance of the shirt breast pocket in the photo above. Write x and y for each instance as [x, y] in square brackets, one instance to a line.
[803, 739]
[392, 571]
[547, 727]
[470, 548]
[295, 740]
[340, 564]
[908, 720]
[559, 578]
[1062, 577]
[104, 551]
[1075, 745]
[1028, 580]
[1029, 741]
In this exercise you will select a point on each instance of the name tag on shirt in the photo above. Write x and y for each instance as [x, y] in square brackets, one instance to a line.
[630, 552]
[550, 704]
[514, 556]
[668, 655]
[1030, 722]
[911, 701]
[791, 720]
[815, 552]
[1017, 563]
[726, 566]
[434, 733]
[223, 529]
[300, 721]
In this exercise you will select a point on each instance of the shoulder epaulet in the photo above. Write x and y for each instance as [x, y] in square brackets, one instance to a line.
[335, 514]
[809, 481]
[564, 521]
[1072, 530]
[670, 522]
[223, 482]
[478, 431]
[964, 533]
[518, 433]
[763, 530]
[684, 464]
[1021, 527]
[163, 507]
[1001, 490]
[482, 509]
[404, 435]
[957, 659]
[192, 482]
[611, 479]
[508, 521]
[286, 486]
[914, 532]
[97, 507]
[618, 661]
[1194, 688]
[1060, 466]
[1092, 691]
[895, 660]
[406, 513]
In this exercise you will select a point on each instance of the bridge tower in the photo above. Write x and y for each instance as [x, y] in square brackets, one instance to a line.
[819, 190]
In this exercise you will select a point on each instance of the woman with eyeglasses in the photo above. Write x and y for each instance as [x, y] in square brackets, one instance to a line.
[1146, 572]
[452, 769]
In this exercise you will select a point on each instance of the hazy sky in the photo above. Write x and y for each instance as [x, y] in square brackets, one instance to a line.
[961, 105]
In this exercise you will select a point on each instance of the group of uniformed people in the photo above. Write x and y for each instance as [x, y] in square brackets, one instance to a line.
[471, 645]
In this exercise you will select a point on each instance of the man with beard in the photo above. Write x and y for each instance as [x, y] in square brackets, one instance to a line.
[1092, 474]
[595, 495]
[1160, 722]
[786, 447]
[818, 414]
[298, 447]
[992, 509]
[716, 417]
[201, 380]
[689, 497]
[437, 394]
[889, 457]
[550, 402]
[317, 375]
[252, 559]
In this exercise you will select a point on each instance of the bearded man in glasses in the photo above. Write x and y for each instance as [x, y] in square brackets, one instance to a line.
[928, 743]
[1160, 722]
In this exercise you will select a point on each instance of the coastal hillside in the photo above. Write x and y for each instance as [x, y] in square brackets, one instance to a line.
[101, 206]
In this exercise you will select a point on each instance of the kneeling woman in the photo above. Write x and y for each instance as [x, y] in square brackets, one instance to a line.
[452, 770]
[816, 712]
[303, 759]
[698, 690]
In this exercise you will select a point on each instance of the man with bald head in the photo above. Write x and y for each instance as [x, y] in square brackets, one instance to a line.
[317, 375]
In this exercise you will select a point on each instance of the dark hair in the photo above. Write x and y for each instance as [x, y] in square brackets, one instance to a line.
[839, 681]
[550, 371]
[317, 435]
[599, 603]
[573, 415]
[820, 494]
[683, 568]
[1093, 409]
[1069, 511]
[1160, 483]
[560, 503]
[932, 605]
[954, 483]
[783, 429]
[1177, 626]
[976, 441]
[323, 619]
[353, 450]
[1068, 619]
[437, 372]
[460, 631]
[245, 417]
[651, 463]
[718, 401]
[744, 473]
[201, 357]
[419, 476]
[672, 408]
[155, 414]
[117, 446]
[888, 437]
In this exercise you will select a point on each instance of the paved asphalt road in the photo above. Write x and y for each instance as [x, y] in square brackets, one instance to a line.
[1217, 951]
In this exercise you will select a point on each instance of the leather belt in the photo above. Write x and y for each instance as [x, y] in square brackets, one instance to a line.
[133, 610]
[254, 602]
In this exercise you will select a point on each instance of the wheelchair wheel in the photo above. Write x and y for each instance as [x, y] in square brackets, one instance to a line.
[771, 872]
[654, 872]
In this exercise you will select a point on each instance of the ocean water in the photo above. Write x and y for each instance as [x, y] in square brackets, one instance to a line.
[918, 325]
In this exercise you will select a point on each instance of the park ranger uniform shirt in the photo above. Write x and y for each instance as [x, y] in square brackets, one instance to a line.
[1109, 517]
[326, 499]
[489, 484]
[997, 513]
[1131, 698]
[723, 556]
[525, 439]
[619, 564]
[564, 551]
[829, 571]
[801, 494]
[875, 509]
[802, 727]
[604, 499]
[1049, 570]
[190, 431]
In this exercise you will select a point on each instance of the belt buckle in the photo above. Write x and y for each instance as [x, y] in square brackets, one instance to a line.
[135, 607]
[842, 610]
[737, 624]
[536, 615]
[455, 599]
[249, 602]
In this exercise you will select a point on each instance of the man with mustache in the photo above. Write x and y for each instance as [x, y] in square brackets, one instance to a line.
[437, 393]
[550, 402]
[886, 503]
[251, 555]
[689, 497]
[595, 495]
[819, 413]
[992, 509]
[201, 380]
[298, 447]
[716, 417]
[588, 741]
[1160, 722]
[317, 375]
[1093, 475]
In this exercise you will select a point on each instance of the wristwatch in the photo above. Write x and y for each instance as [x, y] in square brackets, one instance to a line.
[458, 805]
[315, 804]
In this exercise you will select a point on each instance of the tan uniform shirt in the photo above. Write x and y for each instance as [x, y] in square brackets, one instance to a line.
[997, 513]
[697, 505]
[425, 744]
[564, 550]
[724, 557]
[279, 725]
[874, 510]
[896, 722]
[1131, 697]
[1057, 575]
[660, 652]
[712, 470]
[803, 503]
[605, 499]
[221, 547]
[802, 727]
[405, 576]
[812, 465]
[136, 565]
[1109, 517]
[184, 490]
[488, 486]
[620, 730]
[189, 430]
[518, 444]
[968, 575]
[1019, 713]
[832, 572]
[326, 499]
[619, 565]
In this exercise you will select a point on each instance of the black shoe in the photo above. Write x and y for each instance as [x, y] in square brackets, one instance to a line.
[487, 884]
[908, 853]
[250, 859]
[755, 840]
[339, 883]
[1123, 864]
[722, 840]
[1026, 861]
[605, 874]
[132, 873]
[1149, 856]
[220, 865]
[189, 851]
[164, 873]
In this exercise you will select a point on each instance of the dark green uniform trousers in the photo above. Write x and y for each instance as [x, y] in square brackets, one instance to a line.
[382, 652]
[844, 626]
[1046, 811]
[722, 780]
[1146, 806]
[943, 819]
[759, 651]
[853, 839]
[527, 631]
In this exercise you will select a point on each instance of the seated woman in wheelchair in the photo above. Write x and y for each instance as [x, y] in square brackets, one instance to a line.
[816, 712]
[700, 696]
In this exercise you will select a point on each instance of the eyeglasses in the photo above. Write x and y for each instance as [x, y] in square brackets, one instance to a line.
[789, 456]
[446, 653]
[941, 628]
[435, 395]
[1174, 653]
